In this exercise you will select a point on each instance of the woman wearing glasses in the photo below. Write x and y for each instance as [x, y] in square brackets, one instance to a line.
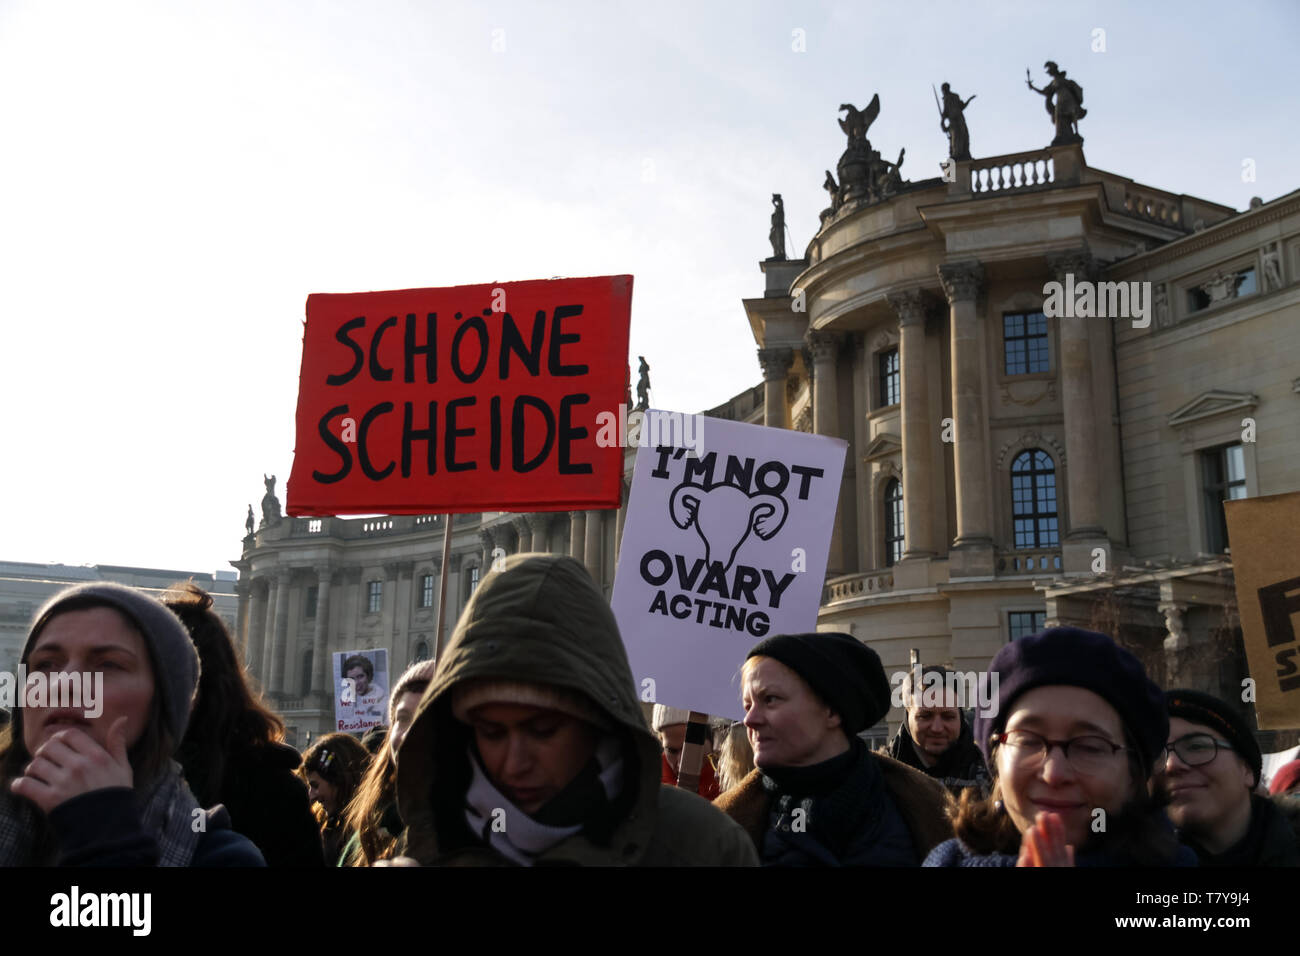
[1077, 728]
[1208, 773]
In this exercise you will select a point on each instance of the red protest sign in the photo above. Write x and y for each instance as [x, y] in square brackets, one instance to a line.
[469, 398]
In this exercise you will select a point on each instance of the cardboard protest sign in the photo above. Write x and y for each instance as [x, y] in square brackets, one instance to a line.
[723, 544]
[1264, 533]
[463, 399]
[361, 690]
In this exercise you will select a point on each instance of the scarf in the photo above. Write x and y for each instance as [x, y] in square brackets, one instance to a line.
[522, 838]
[167, 814]
[958, 767]
[845, 811]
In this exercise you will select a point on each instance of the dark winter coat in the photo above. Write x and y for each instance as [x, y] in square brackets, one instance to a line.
[958, 768]
[880, 813]
[103, 828]
[268, 803]
[544, 621]
[955, 853]
[1272, 840]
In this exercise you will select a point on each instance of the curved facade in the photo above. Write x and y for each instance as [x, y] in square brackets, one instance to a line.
[1053, 467]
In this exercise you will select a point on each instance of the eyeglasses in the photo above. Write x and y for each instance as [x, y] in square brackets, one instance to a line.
[1088, 754]
[1193, 750]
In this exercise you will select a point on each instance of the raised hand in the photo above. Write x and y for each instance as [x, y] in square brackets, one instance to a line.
[71, 763]
[1044, 843]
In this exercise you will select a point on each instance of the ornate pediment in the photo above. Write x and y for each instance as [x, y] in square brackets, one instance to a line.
[1212, 403]
[883, 445]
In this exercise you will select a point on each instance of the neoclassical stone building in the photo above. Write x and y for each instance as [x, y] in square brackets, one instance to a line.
[1008, 469]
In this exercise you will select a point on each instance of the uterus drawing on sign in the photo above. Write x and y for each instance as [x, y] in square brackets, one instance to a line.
[724, 517]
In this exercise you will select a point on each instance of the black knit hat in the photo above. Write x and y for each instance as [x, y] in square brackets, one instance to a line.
[842, 670]
[1078, 658]
[1220, 716]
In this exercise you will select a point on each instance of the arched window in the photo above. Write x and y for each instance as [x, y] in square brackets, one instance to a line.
[306, 671]
[421, 652]
[1033, 500]
[893, 522]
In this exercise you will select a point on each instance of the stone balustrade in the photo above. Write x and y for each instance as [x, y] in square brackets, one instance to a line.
[854, 586]
[1029, 562]
[1165, 209]
[1013, 171]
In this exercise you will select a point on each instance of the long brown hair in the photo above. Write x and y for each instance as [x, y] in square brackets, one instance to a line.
[365, 813]
[378, 790]
[227, 716]
[340, 760]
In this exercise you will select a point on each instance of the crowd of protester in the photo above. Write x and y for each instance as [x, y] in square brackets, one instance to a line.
[526, 744]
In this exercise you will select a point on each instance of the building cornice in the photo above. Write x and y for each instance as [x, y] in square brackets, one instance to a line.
[1211, 235]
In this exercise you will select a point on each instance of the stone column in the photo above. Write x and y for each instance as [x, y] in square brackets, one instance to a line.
[256, 628]
[961, 284]
[318, 651]
[591, 549]
[388, 610]
[776, 364]
[281, 642]
[825, 348]
[1082, 475]
[525, 532]
[488, 539]
[911, 308]
[240, 637]
[577, 533]
[268, 630]
[539, 530]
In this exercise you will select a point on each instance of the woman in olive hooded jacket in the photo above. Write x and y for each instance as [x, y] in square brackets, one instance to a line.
[539, 630]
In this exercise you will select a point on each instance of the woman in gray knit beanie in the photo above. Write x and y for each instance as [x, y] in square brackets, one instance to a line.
[86, 769]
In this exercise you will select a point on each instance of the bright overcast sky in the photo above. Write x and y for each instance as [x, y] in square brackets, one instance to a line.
[178, 176]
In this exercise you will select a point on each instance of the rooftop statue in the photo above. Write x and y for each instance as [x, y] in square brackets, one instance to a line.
[776, 235]
[863, 176]
[952, 120]
[1064, 102]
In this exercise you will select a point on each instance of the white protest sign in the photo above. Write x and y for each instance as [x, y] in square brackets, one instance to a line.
[360, 690]
[723, 544]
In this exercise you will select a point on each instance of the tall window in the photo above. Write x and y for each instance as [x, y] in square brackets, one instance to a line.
[306, 671]
[888, 366]
[1024, 623]
[1033, 500]
[473, 580]
[893, 522]
[426, 591]
[309, 606]
[1024, 342]
[375, 592]
[1224, 472]
[421, 652]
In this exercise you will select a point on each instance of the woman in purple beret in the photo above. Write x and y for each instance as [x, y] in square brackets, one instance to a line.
[1071, 743]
